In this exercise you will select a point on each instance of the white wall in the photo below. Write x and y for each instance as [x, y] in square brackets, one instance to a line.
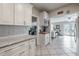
[68, 18]
[71, 7]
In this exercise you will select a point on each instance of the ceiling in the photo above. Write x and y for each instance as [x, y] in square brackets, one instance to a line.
[48, 6]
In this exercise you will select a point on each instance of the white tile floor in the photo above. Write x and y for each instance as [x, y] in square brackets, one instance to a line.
[60, 46]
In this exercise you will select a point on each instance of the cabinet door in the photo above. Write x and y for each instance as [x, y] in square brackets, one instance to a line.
[47, 39]
[27, 48]
[19, 14]
[6, 13]
[32, 47]
[1, 14]
[28, 14]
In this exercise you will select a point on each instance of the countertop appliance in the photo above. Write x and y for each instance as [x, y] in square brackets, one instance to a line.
[33, 30]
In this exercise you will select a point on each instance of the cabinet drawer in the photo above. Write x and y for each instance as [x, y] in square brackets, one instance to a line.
[6, 53]
[13, 49]
[23, 53]
[16, 49]
[20, 53]
[10, 47]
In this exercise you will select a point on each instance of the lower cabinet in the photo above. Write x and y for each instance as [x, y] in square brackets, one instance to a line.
[32, 48]
[44, 39]
[47, 39]
[25, 48]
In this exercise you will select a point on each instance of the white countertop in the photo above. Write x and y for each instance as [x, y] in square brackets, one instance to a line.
[14, 39]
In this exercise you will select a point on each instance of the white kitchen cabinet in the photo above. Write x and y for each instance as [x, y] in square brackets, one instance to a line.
[44, 39]
[47, 39]
[19, 14]
[28, 14]
[6, 14]
[23, 14]
[32, 47]
[23, 48]
[13, 49]
[1, 14]
[15, 14]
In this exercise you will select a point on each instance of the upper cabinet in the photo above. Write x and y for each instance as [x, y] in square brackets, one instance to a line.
[1, 10]
[19, 14]
[6, 13]
[28, 14]
[15, 14]
[23, 14]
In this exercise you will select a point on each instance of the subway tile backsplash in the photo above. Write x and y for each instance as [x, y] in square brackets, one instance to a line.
[6, 30]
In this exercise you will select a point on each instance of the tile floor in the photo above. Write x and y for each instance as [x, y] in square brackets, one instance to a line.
[60, 46]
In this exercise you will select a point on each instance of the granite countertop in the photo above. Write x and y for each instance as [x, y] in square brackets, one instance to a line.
[14, 39]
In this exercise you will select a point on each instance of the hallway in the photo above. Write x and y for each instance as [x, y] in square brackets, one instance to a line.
[60, 46]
